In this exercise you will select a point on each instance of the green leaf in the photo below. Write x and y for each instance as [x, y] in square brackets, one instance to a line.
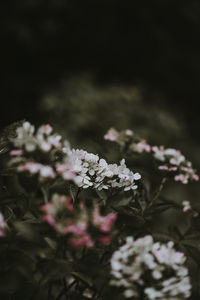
[121, 202]
[195, 243]
[193, 253]
[160, 207]
[54, 269]
[164, 237]
[83, 277]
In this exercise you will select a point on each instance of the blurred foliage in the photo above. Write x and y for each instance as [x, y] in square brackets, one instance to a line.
[83, 112]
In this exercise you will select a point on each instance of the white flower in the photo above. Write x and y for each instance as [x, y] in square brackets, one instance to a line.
[186, 205]
[91, 171]
[158, 153]
[134, 259]
[152, 293]
[47, 171]
[111, 135]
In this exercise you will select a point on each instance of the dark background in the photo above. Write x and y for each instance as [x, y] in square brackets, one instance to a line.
[153, 44]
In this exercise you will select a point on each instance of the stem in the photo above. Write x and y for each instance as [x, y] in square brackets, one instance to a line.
[74, 196]
[158, 191]
[45, 194]
[164, 179]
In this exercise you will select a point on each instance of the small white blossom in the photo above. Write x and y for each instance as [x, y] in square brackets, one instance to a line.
[186, 205]
[111, 135]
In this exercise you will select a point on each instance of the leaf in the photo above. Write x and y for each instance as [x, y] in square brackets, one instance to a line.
[54, 269]
[128, 211]
[83, 277]
[160, 207]
[102, 195]
[193, 253]
[195, 243]
[121, 202]
[164, 237]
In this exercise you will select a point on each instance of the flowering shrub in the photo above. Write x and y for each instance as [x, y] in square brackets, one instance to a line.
[74, 226]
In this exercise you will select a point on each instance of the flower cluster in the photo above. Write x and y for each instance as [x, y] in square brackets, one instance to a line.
[78, 224]
[2, 225]
[85, 169]
[152, 270]
[168, 159]
[43, 139]
[174, 161]
[35, 151]
[91, 171]
[127, 137]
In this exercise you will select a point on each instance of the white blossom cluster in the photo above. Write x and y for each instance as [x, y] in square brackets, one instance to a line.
[43, 139]
[85, 169]
[174, 161]
[152, 270]
[169, 160]
[91, 171]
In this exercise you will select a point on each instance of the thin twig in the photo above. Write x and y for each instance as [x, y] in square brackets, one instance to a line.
[158, 191]
[45, 194]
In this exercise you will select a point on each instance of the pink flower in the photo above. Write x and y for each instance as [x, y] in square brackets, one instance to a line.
[173, 169]
[111, 135]
[50, 220]
[69, 204]
[182, 178]
[31, 167]
[65, 171]
[104, 223]
[166, 168]
[104, 239]
[2, 233]
[186, 205]
[75, 223]
[16, 152]
[77, 229]
[163, 168]
[85, 240]
[2, 225]
[143, 146]
[195, 177]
